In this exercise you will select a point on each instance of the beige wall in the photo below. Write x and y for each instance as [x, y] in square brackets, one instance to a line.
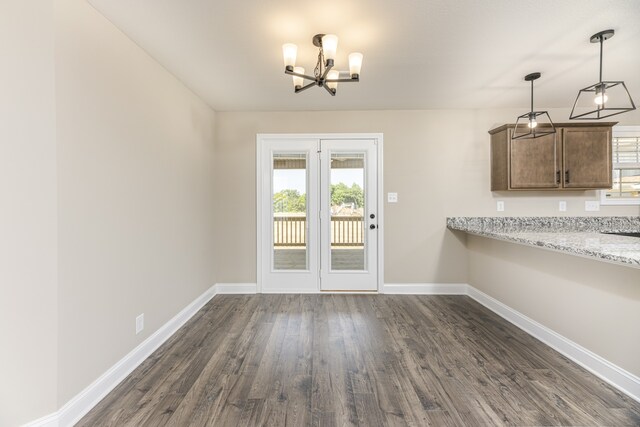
[28, 237]
[437, 162]
[136, 202]
[109, 202]
[594, 304]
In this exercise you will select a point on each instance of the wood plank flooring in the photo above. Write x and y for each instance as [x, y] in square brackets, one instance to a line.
[368, 360]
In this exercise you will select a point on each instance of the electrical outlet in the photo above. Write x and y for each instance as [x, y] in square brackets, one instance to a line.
[562, 206]
[500, 206]
[392, 197]
[139, 323]
[591, 206]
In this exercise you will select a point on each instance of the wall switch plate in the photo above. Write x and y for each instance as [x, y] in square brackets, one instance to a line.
[392, 197]
[139, 323]
[500, 206]
[591, 206]
[562, 206]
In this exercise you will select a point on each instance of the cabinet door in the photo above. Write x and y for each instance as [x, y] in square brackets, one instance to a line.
[534, 163]
[587, 157]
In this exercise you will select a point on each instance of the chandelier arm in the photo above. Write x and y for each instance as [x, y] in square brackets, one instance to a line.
[305, 87]
[343, 80]
[304, 76]
[328, 68]
[331, 91]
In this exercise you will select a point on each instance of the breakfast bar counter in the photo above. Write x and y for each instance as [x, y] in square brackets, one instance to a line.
[581, 236]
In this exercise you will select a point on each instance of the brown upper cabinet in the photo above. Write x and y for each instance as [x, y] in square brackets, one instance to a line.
[576, 157]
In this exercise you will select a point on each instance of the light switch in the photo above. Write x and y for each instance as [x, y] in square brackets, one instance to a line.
[500, 206]
[392, 197]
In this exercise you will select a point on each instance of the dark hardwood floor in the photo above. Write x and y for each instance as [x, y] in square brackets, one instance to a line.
[369, 360]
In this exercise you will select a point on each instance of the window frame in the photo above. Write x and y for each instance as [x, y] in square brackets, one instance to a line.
[621, 131]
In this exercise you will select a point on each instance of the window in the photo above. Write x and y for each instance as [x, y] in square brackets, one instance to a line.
[626, 168]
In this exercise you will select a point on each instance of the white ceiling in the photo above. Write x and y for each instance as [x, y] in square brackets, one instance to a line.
[418, 54]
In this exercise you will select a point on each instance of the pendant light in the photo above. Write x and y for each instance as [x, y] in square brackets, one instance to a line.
[605, 98]
[533, 124]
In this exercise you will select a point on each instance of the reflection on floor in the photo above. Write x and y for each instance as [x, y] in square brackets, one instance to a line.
[341, 259]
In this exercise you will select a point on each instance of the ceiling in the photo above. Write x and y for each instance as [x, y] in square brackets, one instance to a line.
[418, 54]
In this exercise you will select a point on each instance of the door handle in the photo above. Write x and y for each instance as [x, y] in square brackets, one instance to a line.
[372, 226]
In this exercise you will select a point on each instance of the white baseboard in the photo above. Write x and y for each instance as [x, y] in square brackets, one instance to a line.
[388, 288]
[236, 288]
[50, 420]
[621, 379]
[82, 403]
[425, 288]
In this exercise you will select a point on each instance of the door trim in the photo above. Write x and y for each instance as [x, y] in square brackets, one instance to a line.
[263, 137]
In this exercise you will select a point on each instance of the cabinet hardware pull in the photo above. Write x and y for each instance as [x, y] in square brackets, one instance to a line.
[566, 176]
[557, 177]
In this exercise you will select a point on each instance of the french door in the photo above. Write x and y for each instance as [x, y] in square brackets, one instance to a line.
[318, 214]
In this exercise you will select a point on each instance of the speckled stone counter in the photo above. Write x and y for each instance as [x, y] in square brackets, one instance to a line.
[581, 236]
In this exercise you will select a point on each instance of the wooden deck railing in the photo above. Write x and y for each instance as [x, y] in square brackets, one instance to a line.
[291, 231]
[347, 231]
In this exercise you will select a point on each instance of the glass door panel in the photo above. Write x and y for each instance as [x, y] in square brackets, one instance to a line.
[290, 211]
[347, 195]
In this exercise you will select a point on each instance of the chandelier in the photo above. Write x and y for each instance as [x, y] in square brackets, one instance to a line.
[323, 74]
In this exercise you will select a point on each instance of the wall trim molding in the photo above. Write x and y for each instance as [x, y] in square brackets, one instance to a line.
[619, 378]
[235, 288]
[71, 412]
[425, 288]
[84, 401]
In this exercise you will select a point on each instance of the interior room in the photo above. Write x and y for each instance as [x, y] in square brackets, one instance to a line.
[243, 213]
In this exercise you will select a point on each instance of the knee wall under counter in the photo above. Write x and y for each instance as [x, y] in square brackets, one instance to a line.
[594, 304]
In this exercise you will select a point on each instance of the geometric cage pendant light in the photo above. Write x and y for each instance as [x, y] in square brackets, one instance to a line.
[323, 75]
[533, 124]
[605, 98]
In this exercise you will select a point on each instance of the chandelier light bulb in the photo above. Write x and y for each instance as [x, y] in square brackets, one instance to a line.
[298, 81]
[289, 52]
[333, 75]
[600, 98]
[532, 123]
[355, 63]
[330, 46]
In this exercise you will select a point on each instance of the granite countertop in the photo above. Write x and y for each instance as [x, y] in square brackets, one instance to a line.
[581, 236]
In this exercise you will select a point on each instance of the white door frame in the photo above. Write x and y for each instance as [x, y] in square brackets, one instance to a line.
[261, 257]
